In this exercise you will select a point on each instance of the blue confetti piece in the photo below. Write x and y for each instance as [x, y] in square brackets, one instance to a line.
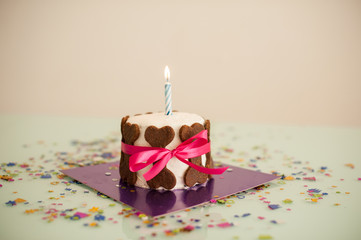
[11, 203]
[274, 206]
[241, 196]
[106, 155]
[315, 190]
[99, 217]
[46, 176]
[246, 215]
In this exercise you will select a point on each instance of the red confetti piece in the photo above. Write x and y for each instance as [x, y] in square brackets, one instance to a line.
[225, 225]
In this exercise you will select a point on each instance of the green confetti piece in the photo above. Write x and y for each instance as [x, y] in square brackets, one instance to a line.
[287, 201]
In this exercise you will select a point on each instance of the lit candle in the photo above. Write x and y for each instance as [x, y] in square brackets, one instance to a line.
[168, 92]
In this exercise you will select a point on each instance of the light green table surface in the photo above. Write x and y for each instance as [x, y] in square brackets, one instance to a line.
[37, 141]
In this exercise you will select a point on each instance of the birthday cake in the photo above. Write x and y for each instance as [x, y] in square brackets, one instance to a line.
[156, 147]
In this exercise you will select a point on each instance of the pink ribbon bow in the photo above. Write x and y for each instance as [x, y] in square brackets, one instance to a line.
[141, 157]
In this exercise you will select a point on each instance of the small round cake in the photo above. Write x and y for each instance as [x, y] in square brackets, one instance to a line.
[164, 131]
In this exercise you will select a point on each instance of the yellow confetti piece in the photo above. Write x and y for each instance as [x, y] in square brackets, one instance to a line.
[264, 237]
[20, 200]
[94, 209]
[61, 176]
[347, 192]
[289, 178]
[314, 199]
[92, 224]
[350, 165]
[31, 211]
[337, 204]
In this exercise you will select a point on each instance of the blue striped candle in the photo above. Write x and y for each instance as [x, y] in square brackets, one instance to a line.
[168, 92]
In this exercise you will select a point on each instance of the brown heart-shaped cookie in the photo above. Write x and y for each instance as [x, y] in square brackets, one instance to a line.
[192, 176]
[130, 133]
[209, 160]
[186, 132]
[159, 137]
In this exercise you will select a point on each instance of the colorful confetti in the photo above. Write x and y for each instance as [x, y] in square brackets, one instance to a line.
[62, 191]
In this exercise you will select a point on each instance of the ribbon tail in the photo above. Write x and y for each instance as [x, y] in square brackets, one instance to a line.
[205, 170]
[140, 160]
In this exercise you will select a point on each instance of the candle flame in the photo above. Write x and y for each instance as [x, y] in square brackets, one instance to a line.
[167, 73]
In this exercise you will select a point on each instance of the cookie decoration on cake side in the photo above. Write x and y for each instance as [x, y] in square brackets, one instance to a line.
[160, 137]
[130, 133]
[191, 175]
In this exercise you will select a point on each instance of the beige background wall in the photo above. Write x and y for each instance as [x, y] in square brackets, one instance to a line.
[293, 62]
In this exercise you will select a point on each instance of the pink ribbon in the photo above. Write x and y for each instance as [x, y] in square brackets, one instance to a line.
[141, 157]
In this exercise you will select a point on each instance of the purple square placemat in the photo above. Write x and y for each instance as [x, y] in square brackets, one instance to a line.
[157, 203]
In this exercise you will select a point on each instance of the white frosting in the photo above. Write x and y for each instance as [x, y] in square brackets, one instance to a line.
[176, 121]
